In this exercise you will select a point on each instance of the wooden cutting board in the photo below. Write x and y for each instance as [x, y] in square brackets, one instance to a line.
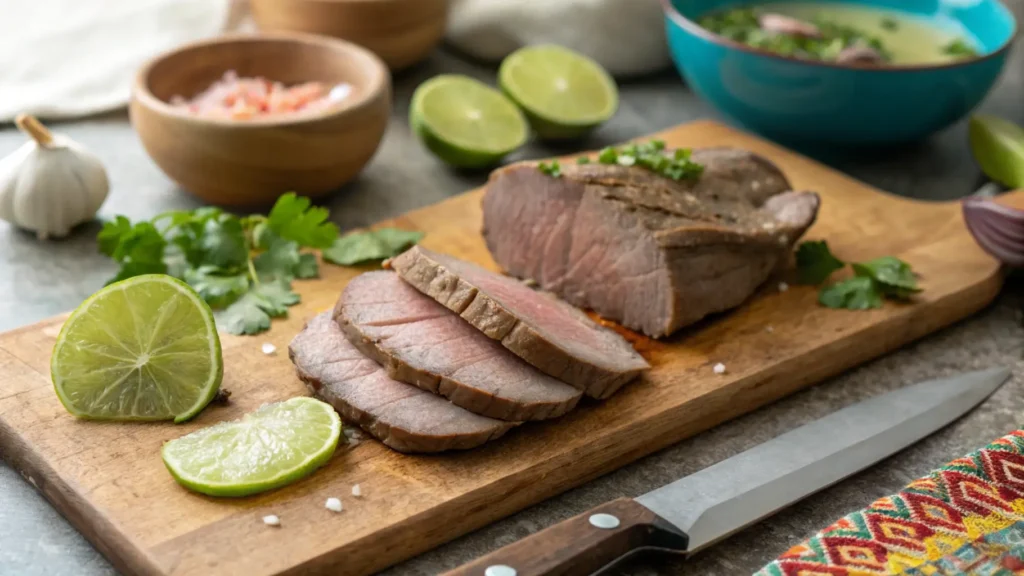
[109, 481]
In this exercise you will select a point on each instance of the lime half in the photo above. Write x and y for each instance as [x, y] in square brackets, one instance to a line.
[998, 146]
[465, 122]
[564, 94]
[273, 446]
[145, 348]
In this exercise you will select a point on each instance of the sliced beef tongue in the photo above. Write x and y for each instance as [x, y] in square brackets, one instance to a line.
[651, 253]
[420, 342]
[548, 333]
[401, 416]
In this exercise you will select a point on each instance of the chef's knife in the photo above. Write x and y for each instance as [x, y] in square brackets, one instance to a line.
[700, 509]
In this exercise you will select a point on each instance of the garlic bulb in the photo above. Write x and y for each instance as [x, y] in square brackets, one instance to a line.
[51, 183]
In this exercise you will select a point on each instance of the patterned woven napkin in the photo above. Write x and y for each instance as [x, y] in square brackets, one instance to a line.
[966, 518]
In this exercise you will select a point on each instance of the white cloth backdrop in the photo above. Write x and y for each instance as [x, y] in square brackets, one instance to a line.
[69, 58]
[66, 58]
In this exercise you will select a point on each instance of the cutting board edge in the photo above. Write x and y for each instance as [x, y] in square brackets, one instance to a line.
[96, 528]
[483, 513]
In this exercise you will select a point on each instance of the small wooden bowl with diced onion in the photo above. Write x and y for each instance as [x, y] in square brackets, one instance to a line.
[249, 156]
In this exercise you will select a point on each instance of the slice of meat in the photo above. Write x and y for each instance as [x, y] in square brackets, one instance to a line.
[403, 417]
[548, 333]
[651, 253]
[420, 342]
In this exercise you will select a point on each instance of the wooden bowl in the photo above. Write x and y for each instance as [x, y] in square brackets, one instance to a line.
[402, 32]
[252, 162]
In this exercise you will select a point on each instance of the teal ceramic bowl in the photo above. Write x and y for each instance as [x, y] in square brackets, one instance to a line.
[795, 100]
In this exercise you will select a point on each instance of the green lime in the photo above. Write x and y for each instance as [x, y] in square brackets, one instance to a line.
[564, 94]
[269, 448]
[998, 146]
[145, 348]
[465, 122]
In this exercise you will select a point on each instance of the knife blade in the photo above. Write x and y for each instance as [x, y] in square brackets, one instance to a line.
[703, 508]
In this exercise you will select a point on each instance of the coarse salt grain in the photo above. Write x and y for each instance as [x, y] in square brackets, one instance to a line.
[271, 520]
[719, 368]
[333, 504]
[357, 491]
[769, 329]
[269, 348]
[783, 286]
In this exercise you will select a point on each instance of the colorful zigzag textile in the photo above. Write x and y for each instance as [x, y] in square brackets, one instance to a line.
[966, 518]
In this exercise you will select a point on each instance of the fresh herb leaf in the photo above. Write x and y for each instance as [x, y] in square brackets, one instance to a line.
[892, 275]
[308, 267]
[372, 245]
[241, 266]
[223, 242]
[583, 160]
[608, 156]
[251, 313]
[743, 25]
[244, 316]
[139, 248]
[278, 297]
[652, 155]
[293, 218]
[890, 24]
[216, 288]
[112, 233]
[959, 48]
[550, 168]
[815, 262]
[279, 262]
[857, 293]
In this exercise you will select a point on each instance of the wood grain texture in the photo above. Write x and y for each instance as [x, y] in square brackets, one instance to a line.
[401, 32]
[252, 162]
[575, 547]
[109, 481]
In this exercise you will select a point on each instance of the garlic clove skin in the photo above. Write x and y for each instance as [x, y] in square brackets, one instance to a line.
[51, 184]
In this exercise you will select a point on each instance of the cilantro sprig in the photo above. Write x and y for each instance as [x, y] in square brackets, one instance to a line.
[873, 281]
[959, 48]
[242, 266]
[651, 155]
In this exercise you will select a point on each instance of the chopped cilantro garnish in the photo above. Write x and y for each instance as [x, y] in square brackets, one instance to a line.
[890, 24]
[550, 168]
[742, 25]
[960, 49]
[652, 155]
[583, 160]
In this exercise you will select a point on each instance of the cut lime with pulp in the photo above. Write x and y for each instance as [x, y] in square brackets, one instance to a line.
[465, 122]
[145, 348]
[998, 146]
[269, 448]
[564, 94]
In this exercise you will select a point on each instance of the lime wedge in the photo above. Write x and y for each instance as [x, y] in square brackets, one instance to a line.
[465, 122]
[273, 446]
[564, 94]
[998, 146]
[145, 348]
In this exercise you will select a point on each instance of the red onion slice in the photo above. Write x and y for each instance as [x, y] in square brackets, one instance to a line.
[998, 229]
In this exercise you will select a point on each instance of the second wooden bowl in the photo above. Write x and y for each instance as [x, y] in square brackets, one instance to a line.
[252, 162]
[401, 32]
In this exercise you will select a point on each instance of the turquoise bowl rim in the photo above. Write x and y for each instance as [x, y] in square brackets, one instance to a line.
[697, 30]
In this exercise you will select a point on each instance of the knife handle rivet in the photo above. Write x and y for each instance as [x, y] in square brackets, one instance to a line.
[604, 521]
[500, 570]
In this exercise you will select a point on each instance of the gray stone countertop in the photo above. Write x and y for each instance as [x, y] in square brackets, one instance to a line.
[41, 280]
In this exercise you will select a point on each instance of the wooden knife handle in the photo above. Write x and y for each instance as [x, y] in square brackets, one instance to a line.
[578, 547]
